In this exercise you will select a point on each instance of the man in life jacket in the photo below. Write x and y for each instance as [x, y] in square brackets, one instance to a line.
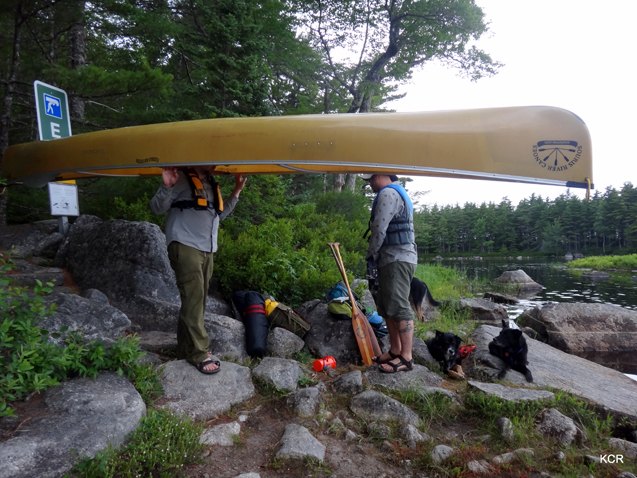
[193, 201]
[392, 255]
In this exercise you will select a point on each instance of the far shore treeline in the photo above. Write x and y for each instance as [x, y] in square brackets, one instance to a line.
[604, 224]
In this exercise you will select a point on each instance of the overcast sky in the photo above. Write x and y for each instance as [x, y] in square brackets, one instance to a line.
[573, 54]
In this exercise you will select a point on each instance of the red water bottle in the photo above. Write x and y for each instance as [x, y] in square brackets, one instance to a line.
[322, 364]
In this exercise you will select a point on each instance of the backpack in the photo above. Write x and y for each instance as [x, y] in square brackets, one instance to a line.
[340, 308]
[281, 315]
[338, 291]
[338, 303]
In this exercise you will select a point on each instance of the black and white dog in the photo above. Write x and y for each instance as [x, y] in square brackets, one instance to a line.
[444, 349]
[510, 346]
[419, 294]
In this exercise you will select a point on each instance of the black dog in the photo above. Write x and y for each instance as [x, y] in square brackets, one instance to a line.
[510, 345]
[418, 293]
[444, 348]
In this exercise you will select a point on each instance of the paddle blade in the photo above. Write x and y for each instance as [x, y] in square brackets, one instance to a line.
[363, 337]
[372, 338]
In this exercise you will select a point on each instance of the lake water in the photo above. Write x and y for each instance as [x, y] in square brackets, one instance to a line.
[560, 284]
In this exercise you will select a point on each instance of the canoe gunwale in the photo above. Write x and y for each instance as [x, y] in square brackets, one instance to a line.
[287, 168]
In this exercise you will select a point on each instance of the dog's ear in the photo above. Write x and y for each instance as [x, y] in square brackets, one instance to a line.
[505, 324]
[438, 333]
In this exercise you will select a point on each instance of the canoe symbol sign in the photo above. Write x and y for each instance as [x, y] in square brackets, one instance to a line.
[557, 155]
[52, 106]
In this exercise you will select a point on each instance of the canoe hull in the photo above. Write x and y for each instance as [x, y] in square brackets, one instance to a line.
[534, 144]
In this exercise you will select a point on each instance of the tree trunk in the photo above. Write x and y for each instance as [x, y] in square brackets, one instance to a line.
[7, 101]
[366, 89]
[339, 182]
[350, 182]
[78, 56]
[3, 206]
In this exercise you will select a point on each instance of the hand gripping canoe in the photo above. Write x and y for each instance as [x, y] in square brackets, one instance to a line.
[365, 338]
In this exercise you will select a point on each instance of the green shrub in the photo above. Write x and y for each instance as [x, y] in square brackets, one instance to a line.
[29, 362]
[290, 258]
[136, 210]
[119, 198]
[489, 408]
[26, 204]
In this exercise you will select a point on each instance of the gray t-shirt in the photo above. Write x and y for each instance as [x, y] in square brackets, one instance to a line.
[191, 227]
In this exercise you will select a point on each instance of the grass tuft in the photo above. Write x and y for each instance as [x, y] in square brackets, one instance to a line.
[161, 447]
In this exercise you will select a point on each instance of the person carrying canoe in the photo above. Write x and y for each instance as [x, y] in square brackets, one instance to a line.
[392, 258]
[193, 201]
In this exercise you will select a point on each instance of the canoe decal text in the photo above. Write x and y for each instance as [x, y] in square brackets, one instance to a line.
[557, 155]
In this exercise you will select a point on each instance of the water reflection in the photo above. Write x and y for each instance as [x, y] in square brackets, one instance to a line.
[560, 284]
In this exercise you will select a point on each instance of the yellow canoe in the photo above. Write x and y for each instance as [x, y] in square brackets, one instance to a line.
[531, 144]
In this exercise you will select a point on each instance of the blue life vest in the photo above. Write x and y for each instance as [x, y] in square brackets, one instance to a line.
[401, 228]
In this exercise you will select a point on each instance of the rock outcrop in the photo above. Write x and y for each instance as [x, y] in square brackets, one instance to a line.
[123, 259]
[519, 282]
[328, 335]
[91, 318]
[83, 417]
[484, 310]
[608, 388]
[603, 333]
[188, 395]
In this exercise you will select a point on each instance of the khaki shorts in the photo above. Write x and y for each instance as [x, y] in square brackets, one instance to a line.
[393, 293]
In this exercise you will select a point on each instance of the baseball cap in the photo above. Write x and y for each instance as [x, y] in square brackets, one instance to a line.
[367, 177]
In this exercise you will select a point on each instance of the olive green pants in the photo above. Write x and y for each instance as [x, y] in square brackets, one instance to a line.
[193, 271]
[394, 282]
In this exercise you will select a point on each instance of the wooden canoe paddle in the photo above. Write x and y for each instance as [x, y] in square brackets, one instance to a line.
[365, 337]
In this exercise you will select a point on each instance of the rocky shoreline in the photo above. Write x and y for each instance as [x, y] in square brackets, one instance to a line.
[333, 420]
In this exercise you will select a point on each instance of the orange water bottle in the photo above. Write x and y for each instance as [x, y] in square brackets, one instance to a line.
[322, 364]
